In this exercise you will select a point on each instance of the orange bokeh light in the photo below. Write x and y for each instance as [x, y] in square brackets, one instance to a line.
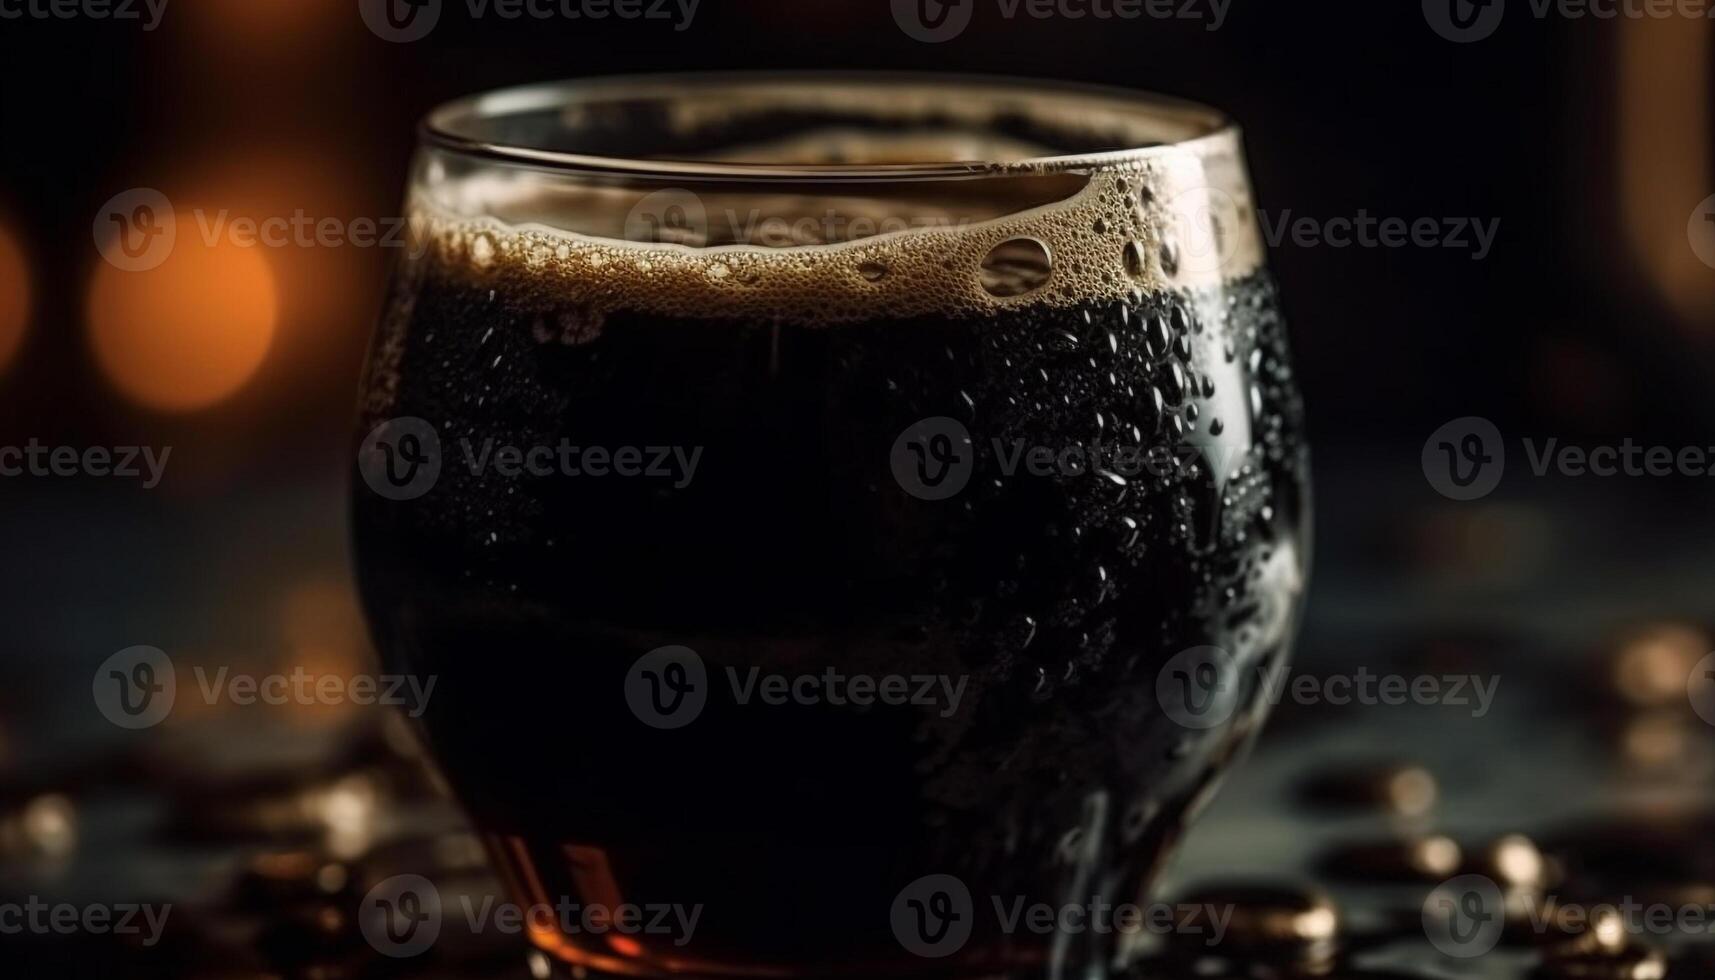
[14, 298]
[190, 332]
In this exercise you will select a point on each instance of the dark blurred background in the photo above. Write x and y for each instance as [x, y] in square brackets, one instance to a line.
[1592, 319]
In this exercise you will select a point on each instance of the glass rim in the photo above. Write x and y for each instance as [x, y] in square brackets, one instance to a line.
[446, 127]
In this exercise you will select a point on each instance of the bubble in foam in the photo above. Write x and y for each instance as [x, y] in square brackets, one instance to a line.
[482, 250]
[1016, 266]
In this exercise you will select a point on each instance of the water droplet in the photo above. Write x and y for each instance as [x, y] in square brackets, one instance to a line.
[1156, 338]
[1175, 384]
[1152, 406]
[1170, 256]
[1016, 267]
[1216, 427]
[872, 270]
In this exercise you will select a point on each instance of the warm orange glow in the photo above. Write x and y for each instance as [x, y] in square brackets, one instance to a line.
[328, 294]
[1666, 68]
[14, 298]
[187, 334]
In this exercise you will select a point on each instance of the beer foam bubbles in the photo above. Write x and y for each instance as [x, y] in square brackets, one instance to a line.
[1167, 218]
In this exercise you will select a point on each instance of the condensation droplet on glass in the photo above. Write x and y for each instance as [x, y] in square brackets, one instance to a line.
[1170, 256]
[1136, 261]
[1155, 338]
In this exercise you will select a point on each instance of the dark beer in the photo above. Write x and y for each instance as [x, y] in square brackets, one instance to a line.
[774, 578]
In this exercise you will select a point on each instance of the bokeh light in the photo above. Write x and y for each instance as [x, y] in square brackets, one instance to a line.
[191, 332]
[14, 298]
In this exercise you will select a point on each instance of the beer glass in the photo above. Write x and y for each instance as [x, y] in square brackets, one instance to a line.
[839, 511]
